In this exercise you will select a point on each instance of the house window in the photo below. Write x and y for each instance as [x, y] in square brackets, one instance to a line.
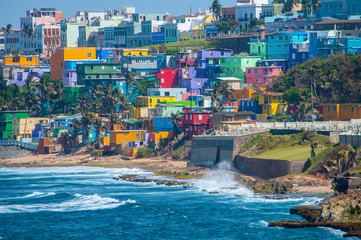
[343, 108]
[328, 108]
[162, 71]
[12, 115]
[89, 55]
[249, 70]
[333, 108]
[352, 109]
[274, 98]
[162, 80]
[200, 117]
[173, 71]
[103, 67]
[29, 59]
[186, 116]
[191, 117]
[137, 136]
[255, 70]
[166, 94]
[293, 56]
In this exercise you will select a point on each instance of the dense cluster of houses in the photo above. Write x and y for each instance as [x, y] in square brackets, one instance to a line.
[99, 48]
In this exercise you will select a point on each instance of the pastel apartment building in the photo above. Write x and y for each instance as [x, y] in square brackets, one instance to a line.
[57, 60]
[196, 122]
[261, 75]
[23, 127]
[6, 121]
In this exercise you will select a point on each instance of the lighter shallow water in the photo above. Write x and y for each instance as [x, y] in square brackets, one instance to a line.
[86, 203]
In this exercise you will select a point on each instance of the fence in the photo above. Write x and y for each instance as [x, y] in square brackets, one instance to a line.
[28, 146]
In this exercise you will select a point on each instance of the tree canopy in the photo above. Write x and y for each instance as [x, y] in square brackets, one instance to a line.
[336, 79]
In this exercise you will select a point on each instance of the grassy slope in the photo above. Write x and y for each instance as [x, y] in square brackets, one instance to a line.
[285, 147]
[191, 44]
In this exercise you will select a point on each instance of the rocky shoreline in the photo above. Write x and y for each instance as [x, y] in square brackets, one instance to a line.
[341, 211]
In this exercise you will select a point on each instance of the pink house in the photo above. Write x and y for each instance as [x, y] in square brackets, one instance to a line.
[168, 77]
[261, 75]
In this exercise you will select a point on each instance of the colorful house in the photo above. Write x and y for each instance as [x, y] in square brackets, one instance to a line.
[119, 137]
[248, 105]
[72, 94]
[194, 85]
[167, 92]
[278, 45]
[23, 127]
[162, 124]
[272, 103]
[134, 52]
[166, 110]
[168, 77]
[258, 47]
[261, 75]
[341, 112]
[22, 61]
[233, 82]
[57, 60]
[236, 66]
[151, 102]
[196, 122]
[6, 121]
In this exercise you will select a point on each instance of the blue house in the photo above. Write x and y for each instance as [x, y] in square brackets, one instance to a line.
[163, 124]
[278, 45]
[106, 54]
[299, 52]
[248, 105]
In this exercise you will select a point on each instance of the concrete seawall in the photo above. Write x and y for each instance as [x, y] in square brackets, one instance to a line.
[207, 151]
[267, 168]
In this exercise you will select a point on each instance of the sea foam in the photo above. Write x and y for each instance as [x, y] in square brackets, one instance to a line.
[79, 202]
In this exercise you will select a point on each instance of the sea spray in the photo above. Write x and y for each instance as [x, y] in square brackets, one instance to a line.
[222, 180]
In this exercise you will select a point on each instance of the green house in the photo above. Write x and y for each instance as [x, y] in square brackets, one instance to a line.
[166, 110]
[235, 66]
[72, 94]
[94, 72]
[6, 121]
[258, 48]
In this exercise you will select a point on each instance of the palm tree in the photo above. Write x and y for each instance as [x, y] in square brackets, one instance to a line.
[8, 28]
[130, 81]
[315, 5]
[87, 121]
[221, 91]
[176, 119]
[99, 127]
[84, 103]
[32, 102]
[216, 9]
[289, 5]
[77, 126]
[66, 142]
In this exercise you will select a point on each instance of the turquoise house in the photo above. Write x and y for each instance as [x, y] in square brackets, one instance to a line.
[278, 46]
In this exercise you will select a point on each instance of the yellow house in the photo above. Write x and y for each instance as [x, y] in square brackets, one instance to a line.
[184, 36]
[340, 112]
[272, 103]
[142, 112]
[156, 137]
[23, 127]
[22, 61]
[123, 136]
[150, 102]
[135, 52]
[57, 60]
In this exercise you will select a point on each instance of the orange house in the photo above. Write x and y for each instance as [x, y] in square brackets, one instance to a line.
[22, 61]
[57, 60]
[340, 112]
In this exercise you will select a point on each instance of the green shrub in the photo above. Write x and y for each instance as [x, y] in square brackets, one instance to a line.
[146, 151]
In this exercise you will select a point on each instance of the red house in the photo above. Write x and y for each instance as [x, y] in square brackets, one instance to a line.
[261, 75]
[197, 122]
[168, 77]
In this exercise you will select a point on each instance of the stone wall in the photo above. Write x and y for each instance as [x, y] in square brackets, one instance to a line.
[267, 168]
[208, 151]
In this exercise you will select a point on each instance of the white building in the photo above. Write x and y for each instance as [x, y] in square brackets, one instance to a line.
[247, 9]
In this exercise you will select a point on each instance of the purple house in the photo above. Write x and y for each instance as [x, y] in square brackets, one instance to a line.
[21, 77]
[194, 85]
[69, 78]
[203, 55]
[192, 72]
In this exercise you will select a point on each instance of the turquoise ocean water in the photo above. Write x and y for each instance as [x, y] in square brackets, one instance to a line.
[86, 203]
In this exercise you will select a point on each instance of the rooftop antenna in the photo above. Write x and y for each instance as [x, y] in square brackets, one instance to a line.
[190, 10]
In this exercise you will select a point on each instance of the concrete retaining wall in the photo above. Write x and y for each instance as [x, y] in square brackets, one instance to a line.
[353, 140]
[207, 151]
[267, 168]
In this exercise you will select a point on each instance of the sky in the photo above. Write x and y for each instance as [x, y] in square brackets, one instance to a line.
[12, 10]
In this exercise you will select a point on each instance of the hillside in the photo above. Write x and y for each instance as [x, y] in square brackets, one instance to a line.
[187, 45]
[285, 147]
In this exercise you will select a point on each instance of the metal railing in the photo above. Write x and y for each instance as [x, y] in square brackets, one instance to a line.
[28, 146]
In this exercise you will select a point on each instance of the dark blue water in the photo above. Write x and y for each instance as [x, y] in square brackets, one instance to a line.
[86, 203]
